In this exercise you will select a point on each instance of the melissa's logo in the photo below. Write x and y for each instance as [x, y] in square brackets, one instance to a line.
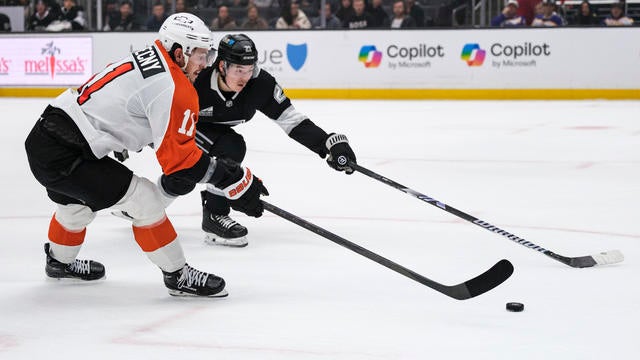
[53, 65]
[370, 56]
[297, 55]
[473, 54]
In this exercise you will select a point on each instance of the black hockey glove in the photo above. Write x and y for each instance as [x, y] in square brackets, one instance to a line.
[340, 153]
[121, 155]
[239, 186]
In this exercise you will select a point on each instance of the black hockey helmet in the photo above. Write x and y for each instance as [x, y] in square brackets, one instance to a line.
[237, 49]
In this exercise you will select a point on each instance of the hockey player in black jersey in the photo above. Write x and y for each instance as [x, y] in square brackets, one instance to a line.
[230, 92]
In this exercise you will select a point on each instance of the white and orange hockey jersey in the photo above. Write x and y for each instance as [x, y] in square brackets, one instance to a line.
[142, 99]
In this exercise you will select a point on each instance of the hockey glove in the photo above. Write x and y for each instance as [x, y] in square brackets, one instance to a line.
[239, 186]
[340, 153]
[121, 155]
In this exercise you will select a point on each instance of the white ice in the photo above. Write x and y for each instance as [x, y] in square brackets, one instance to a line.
[563, 175]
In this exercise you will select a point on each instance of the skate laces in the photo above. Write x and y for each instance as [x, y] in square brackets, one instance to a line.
[225, 221]
[191, 276]
[80, 266]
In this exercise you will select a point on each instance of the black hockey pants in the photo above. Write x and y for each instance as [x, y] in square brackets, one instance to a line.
[61, 160]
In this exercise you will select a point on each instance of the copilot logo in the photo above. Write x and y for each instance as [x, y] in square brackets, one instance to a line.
[473, 54]
[370, 56]
[521, 54]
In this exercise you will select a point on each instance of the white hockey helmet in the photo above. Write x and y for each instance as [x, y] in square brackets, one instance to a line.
[188, 31]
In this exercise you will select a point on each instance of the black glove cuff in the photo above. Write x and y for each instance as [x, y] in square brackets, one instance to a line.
[225, 173]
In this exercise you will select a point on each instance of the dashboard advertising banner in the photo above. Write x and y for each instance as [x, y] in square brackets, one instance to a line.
[45, 61]
[430, 60]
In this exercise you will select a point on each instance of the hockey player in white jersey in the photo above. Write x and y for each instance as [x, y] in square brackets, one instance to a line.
[230, 92]
[143, 99]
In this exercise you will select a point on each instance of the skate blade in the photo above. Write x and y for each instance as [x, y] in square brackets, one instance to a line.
[212, 239]
[72, 280]
[179, 293]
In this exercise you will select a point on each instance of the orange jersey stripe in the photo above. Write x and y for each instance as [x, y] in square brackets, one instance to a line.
[178, 150]
[61, 236]
[153, 237]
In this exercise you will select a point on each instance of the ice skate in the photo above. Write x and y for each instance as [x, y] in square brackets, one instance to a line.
[223, 230]
[191, 282]
[79, 269]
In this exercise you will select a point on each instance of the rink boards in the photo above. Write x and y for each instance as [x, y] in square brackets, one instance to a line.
[565, 63]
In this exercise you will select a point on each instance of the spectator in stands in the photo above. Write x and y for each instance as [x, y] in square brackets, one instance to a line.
[158, 16]
[331, 21]
[527, 9]
[509, 16]
[123, 20]
[360, 18]
[400, 18]
[415, 11]
[67, 16]
[110, 10]
[549, 16]
[538, 10]
[293, 18]
[181, 6]
[254, 20]
[585, 16]
[223, 21]
[381, 18]
[5, 23]
[345, 10]
[72, 14]
[617, 17]
[41, 17]
[310, 7]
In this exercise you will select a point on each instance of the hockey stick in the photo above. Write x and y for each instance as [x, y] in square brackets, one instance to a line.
[603, 258]
[466, 290]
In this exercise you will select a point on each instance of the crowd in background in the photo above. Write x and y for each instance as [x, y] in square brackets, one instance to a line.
[546, 13]
[148, 15]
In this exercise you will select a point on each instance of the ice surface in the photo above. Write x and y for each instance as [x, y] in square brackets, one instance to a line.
[563, 175]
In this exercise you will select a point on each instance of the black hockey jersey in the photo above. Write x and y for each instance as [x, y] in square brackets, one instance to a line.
[261, 93]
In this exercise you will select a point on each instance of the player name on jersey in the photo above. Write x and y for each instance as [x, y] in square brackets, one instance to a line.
[148, 62]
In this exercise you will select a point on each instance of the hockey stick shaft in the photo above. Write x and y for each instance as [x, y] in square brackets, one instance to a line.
[483, 283]
[586, 261]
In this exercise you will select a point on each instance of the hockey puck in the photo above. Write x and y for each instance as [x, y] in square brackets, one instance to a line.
[515, 306]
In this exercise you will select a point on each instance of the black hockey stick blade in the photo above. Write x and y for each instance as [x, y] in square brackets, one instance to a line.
[602, 258]
[468, 289]
[487, 280]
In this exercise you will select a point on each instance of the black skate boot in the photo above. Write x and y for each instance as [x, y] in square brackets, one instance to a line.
[78, 269]
[191, 282]
[223, 230]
